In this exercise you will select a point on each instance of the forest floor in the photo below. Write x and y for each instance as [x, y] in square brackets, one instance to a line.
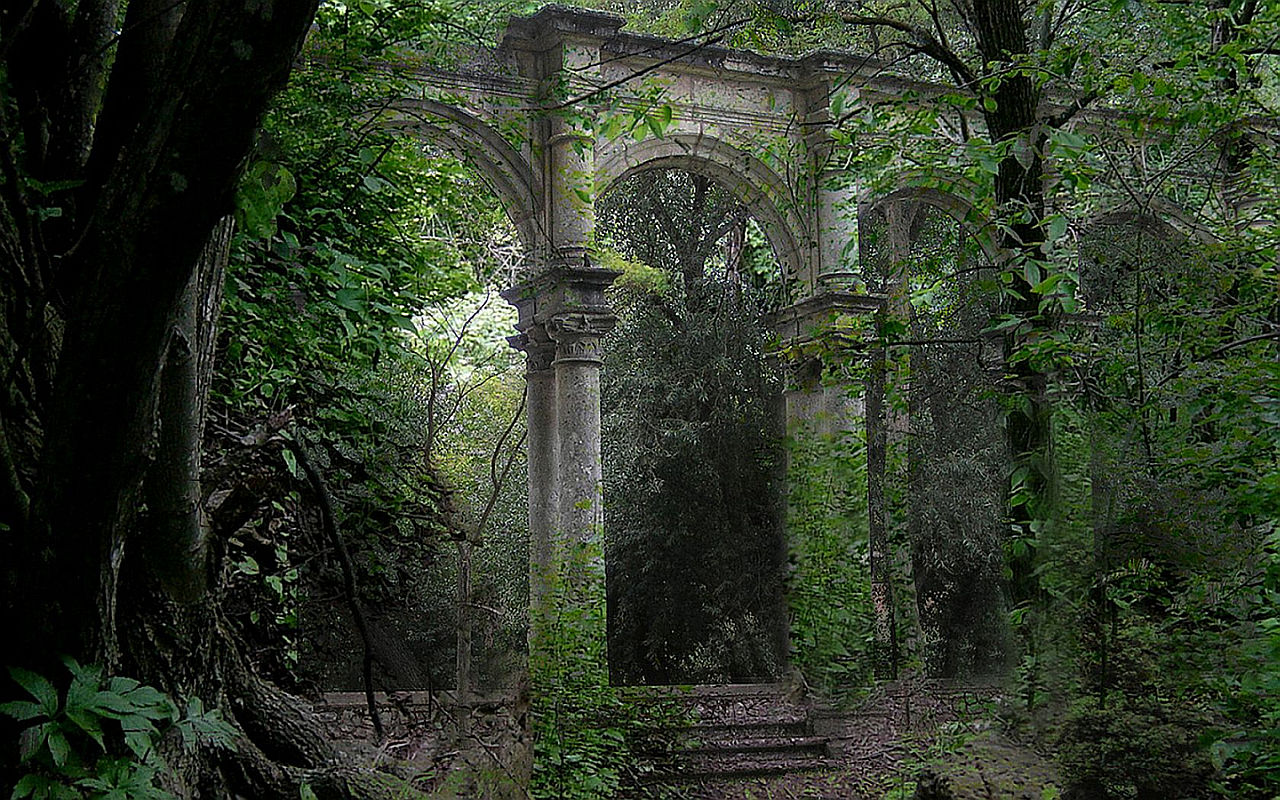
[873, 755]
[976, 765]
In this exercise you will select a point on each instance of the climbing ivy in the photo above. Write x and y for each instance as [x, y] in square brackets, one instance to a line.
[829, 580]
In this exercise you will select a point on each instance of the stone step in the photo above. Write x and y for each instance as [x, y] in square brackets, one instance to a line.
[736, 731]
[810, 746]
[746, 732]
[744, 762]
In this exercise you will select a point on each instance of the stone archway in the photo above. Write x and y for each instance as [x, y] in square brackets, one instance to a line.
[752, 183]
[538, 118]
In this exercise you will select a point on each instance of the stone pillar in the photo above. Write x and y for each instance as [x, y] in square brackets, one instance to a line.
[543, 466]
[830, 194]
[565, 62]
[563, 315]
[823, 350]
[578, 547]
[571, 190]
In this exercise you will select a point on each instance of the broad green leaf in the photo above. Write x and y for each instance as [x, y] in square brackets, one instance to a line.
[349, 299]
[1056, 227]
[59, 748]
[1032, 272]
[38, 687]
[88, 723]
[139, 742]
[150, 699]
[32, 739]
[33, 785]
[114, 704]
[122, 685]
[21, 710]
[137, 723]
[1047, 285]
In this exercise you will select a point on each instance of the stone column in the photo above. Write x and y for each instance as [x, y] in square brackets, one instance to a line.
[570, 181]
[578, 548]
[543, 449]
[563, 315]
[830, 192]
[823, 352]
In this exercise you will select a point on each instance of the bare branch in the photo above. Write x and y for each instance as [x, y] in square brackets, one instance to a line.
[329, 518]
[922, 42]
[1220, 352]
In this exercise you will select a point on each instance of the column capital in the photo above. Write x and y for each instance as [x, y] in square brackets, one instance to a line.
[837, 319]
[539, 350]
[560, 289]
[577, 335]
[563, 314]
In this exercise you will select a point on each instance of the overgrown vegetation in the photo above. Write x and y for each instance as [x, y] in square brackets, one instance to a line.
[1067, 401]
[692, 501]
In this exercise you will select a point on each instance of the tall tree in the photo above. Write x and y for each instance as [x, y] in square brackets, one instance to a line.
[692, 510]
[125, 129]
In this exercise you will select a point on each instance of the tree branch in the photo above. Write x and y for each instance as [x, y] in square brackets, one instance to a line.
[329, 519]
[923, 42]
[1219, 353]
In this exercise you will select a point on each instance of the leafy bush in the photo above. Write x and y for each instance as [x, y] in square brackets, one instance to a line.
[1144, 747]
[99, 739]
[1247, 750]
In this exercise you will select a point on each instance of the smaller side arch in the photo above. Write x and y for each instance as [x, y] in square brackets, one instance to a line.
[876, 209]
[1114, 247]
[960, 204]
[1157, 215]
[765, 194]
[503, 168]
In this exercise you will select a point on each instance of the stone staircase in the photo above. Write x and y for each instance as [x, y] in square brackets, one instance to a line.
[737, 731]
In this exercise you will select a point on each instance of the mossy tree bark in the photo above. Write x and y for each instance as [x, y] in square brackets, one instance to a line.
[125, 129]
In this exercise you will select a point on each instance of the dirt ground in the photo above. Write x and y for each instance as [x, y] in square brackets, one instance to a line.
[876, 753]
[975, 765]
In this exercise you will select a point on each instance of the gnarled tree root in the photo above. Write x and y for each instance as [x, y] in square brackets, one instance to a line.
[284, 746]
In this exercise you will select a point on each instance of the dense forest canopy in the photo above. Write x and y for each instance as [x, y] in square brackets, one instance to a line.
[261, 432]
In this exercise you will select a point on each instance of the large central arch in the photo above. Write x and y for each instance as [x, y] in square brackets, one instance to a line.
[764, 193]
[558, 116]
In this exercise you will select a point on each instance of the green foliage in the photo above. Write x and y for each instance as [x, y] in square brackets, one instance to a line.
[829, 582]
[99, 738]
[692, 517]
[348, 232]
[1135, 746]
[265, 188]
[591, 740]
[690, 512]
[637, 279]
[579, 733]
[1246, 750]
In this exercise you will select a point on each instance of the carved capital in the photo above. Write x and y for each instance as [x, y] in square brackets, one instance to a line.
[577, 335]
[539, 351]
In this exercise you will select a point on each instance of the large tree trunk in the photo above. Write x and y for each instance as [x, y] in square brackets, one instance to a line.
[138, 177]
[114, 233]
[1020, 195]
